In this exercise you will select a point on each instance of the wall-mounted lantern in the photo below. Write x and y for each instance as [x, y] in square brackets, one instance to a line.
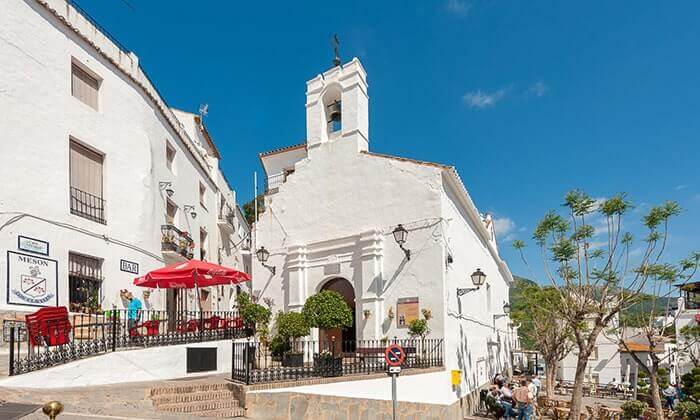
[400, 236]
[167, 187]
[478, 279]
[263, 254]
[190, 208]
[506, 311]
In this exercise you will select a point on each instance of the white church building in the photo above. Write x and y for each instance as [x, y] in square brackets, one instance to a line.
[330, 212]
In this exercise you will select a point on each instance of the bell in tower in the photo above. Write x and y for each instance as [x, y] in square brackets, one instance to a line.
[334, 116]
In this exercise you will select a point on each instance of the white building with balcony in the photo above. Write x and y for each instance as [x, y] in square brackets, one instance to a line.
[103, 181]
[331, 211]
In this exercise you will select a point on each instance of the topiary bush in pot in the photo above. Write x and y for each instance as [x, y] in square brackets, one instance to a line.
[292, 325]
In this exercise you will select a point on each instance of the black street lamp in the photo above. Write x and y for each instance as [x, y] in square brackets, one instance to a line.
[263, 254]
[478, 279]
[400, 235]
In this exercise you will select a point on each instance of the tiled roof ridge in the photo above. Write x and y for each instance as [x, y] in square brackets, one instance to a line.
[283, 149]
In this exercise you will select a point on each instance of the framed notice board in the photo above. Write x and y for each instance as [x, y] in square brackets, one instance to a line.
[406, 311]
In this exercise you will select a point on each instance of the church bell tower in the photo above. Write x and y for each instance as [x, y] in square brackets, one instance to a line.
[337, 107]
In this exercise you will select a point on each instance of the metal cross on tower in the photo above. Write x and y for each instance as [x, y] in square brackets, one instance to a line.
[336, 50]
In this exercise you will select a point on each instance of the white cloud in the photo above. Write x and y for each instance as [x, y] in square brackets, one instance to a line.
[505, 228]
[458, 7]
[479, 99]
[538, 89]
[681, 187]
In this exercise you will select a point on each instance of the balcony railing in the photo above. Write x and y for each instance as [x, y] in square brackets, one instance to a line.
[226, 219]
[274, 181]
[87, 205]
[174, 240]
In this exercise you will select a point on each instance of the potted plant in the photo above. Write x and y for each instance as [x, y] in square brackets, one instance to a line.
[253, 315]
[292, 325]
[328, 310]
[632, 410]
[327, 365]
[419, 328]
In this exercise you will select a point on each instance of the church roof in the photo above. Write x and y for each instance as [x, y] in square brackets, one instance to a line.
[283, 149]
[403, 159]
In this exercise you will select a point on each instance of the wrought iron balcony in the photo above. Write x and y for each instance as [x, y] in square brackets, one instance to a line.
[176, 241]
[226, 220]
[87, 205]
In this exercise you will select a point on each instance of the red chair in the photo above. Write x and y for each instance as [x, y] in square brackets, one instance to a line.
[49, 326]
[212, 323]
[236, 322]
[152, 327]
[187, 327]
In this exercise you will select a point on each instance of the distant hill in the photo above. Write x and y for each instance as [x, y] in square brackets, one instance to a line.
[521, 283]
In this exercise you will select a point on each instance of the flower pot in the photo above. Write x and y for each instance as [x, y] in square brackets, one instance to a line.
[293, 359]
[328, 366]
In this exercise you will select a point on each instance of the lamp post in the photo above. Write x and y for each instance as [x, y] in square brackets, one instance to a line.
[400, 235]
[478, 279]
[263, 254]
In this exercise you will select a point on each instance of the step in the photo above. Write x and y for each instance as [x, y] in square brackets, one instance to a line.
[161, 399]
[186, 389]
[227, 413]
[191, 407]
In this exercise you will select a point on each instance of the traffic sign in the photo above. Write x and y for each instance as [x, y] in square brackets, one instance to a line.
[394, 370]
[394, 355]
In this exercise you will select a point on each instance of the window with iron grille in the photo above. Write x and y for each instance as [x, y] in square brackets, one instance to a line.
[84, 283]
[86, 199]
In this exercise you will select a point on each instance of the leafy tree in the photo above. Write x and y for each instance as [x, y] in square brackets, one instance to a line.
[249, 208]
[254, 315]
[536, 311]
[292, 325]
[595, 284]
[327, 309]
[691, 385]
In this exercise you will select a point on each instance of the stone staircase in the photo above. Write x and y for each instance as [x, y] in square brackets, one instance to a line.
[213, 400]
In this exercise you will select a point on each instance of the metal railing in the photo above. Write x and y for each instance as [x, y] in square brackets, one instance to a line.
[255, 362]
[274, 181]
[34, 346]
[173, 239]
[87, 205]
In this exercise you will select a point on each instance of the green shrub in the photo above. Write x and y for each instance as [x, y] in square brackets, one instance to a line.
[279, 345]
[418, 328]
[253, 315]
[688, 410]
[633, 409]
[327, 309]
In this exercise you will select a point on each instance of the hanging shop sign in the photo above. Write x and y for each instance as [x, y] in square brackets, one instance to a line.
[129, 267]
[406, 311]
[25, 243]
[31, 280]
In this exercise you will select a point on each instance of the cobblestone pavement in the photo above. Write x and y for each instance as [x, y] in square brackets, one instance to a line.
[122, 401]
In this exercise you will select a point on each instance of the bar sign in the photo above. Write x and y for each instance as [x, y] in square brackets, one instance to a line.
[129, 267]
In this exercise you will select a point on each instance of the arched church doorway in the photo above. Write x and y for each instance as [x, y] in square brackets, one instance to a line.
[344, 335]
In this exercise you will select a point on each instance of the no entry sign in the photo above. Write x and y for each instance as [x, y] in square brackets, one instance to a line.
[394, 355]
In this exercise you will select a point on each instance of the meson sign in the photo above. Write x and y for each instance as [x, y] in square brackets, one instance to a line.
[31, 280]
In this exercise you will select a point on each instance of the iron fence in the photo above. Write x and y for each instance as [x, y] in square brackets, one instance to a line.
[254, 362]
[56, 341]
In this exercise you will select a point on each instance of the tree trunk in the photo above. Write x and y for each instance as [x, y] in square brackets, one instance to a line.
[654, 392]
[549, 378]
[577, 392]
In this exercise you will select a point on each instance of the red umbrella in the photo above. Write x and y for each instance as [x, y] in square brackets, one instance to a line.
[191, 274]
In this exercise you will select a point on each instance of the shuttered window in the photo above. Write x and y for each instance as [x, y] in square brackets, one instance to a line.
[84, 86]
[86, 182]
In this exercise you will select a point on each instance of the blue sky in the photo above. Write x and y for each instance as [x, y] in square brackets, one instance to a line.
[526, 99]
